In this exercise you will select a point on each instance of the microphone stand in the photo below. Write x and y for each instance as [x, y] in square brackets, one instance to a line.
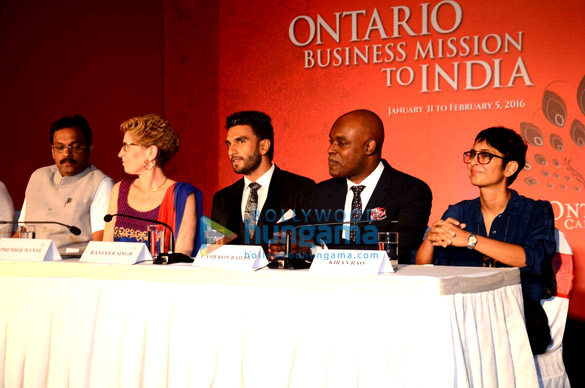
[73, 229]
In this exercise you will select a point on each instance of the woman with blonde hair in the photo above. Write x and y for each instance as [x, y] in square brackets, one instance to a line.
[149, 143]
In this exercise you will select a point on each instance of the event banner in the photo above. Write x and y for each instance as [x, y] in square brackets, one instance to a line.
[436, 72]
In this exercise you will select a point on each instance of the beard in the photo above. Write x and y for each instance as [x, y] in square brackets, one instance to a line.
[251, 163]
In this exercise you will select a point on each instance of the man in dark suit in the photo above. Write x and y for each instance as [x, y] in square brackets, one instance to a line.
[363, 180]
[252, 206]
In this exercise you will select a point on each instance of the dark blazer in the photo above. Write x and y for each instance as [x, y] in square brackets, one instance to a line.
[405, 198]
[286, 191]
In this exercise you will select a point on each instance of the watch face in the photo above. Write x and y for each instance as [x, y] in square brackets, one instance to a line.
[471, 241]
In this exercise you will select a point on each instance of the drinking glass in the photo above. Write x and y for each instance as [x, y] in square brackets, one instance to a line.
[388, 241]
[27, 231]
[279, 259]
[156, 240]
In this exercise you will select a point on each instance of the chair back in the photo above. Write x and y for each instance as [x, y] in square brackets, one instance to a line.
[549, 366]
[563, 265]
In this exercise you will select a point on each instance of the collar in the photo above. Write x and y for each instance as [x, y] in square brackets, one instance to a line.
[371, 180]
[264, 180]
[512, 208]
[60, 180]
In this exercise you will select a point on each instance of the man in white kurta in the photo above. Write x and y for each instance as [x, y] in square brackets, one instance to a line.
[71, 191]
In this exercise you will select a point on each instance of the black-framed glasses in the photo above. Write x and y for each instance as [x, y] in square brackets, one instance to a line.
[75, 148]
[126, 145]
[482, 157]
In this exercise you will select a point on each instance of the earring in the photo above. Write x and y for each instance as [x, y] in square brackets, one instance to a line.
[146, 164]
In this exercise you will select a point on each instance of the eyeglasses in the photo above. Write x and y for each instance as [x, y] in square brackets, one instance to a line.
[75, 148]
[126, 145]
[482, 157]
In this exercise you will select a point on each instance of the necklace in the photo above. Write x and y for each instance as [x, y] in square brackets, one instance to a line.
[151, 190]
[488, 261]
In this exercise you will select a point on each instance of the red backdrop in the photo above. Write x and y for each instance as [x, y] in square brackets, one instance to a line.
[196, 63]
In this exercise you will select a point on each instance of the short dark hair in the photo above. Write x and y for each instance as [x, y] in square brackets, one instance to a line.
[259, 122]
[509, 143]
[76, 121]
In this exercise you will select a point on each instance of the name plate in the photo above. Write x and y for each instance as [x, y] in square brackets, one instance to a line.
[115, 253]
[22, 249]
[350, 262]
[235, 257]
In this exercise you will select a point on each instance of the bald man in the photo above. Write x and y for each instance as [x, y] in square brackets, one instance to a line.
[363, 180]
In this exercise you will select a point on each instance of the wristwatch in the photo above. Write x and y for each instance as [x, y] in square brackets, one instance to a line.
[471, 241]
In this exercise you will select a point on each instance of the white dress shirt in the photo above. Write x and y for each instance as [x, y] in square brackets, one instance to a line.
[370, 184]
[263, 181]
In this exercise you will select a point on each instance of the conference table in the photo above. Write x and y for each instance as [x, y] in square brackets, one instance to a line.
[70, 324]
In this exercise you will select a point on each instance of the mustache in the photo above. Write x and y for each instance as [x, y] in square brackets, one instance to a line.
[68, 160]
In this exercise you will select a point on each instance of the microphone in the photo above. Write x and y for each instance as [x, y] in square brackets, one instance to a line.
[165, 258]
[73, 229]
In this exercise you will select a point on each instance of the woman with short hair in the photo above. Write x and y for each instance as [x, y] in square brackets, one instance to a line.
[149, 143]
[500, 228]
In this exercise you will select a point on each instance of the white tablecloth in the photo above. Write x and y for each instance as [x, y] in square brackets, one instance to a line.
[83, 325]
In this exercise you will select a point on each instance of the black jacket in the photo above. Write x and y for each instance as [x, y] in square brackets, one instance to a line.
[286, 191]
[406, 199]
